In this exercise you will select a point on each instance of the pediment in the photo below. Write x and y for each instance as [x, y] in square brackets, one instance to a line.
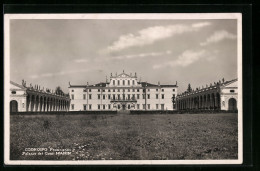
[14, 85]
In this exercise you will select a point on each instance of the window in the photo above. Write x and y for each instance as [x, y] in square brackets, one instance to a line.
[89, 90]
[72, 90]
[118, 106]
[128, 82]
[138, 96]
[114, 90]
[85, 107]
[133, 82]
[148, 96]
[114, 96]
[72, 96]
[98, 106]
[162, 90]
[72, 106]
[143, 106]
[232, 91]
[118, 82]
[108, 90]
[128, 90]
[104, 90]
[98, 96]
[104, 106]
[133, 90]
[138, 106]
[118, 96]
[109, 96]
[133, 96]
[157, 89]
[84, 96]
[90, 96]
[157, 96]
[98, 90]
[90, 107]
[148, 106]
[143, 96]
[109, 106]
[123, 82]
[129, 106]
[137, 90]
[148, 89]
[23, 105]
[118, 90]
[13, 92]
[162, 96]
[104, 96]
[114, 82]
[157, 106]
[173, 89]
[84, 90]
[128, 96]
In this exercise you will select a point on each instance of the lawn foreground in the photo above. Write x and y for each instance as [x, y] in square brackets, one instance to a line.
[126, 137]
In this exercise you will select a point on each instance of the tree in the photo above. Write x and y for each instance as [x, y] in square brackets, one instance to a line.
[189, 88]
[59, 91]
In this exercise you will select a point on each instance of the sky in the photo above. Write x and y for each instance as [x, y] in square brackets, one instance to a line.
[54, 52]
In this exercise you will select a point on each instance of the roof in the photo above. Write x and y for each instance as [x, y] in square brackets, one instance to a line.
[18, 85]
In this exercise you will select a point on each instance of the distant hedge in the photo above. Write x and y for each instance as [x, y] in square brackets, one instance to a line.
[179, 111]
[65, 112]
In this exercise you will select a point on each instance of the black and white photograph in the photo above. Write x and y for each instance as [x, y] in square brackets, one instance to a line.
[123, 89]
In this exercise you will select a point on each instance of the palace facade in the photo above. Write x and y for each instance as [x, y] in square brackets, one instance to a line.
[122, 92]
[218, 96]
[34, 99]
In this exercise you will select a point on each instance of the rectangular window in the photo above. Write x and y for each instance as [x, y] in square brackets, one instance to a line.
[90, 107]
[157, 106]
[118, 96]
[104, 90]
[109, 106]
[133, 82]
[114, 96]
[128, 82]
[90, 96]
[98, 90]
[133, 96]
[138, 96]
[104, 106]
[118, 90]
[148, 89]
[143, 96]
[108, 90]
[138, 106]
[162, 96]
[157, 89]
[104, 96]
[137, 90]
[148, 106]
[84, 90]
[98, 106]
[128, 90]
[162, 90]
[143, 106]
[114, 82]
[123, 82]
[173, 89]
[84, 96]
[232, 91]
[72, 106]
[148, 96]
[133, 90]
[157, 96]
[128, 96]
[89, 90]
[114, 90]
[72, 96]
[85, 107]
[118, 82]
[98, 96]
[109, 96]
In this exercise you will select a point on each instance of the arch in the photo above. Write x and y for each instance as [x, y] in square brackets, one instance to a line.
[13, 106]
[232, 104]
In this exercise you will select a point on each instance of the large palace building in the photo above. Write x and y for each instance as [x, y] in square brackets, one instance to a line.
[122, 92]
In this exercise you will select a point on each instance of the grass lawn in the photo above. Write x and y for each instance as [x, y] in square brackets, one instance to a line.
[126, 137]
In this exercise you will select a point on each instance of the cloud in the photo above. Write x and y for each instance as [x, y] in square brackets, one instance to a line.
[186, 58]
[80, 60]
[218, 36]
[141, 55]
[58, 73]
[150, 35]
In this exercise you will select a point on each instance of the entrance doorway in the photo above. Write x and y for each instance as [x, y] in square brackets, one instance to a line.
[13, 106]
[232, 104]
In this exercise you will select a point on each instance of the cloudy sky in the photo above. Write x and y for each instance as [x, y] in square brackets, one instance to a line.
[54, 52]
